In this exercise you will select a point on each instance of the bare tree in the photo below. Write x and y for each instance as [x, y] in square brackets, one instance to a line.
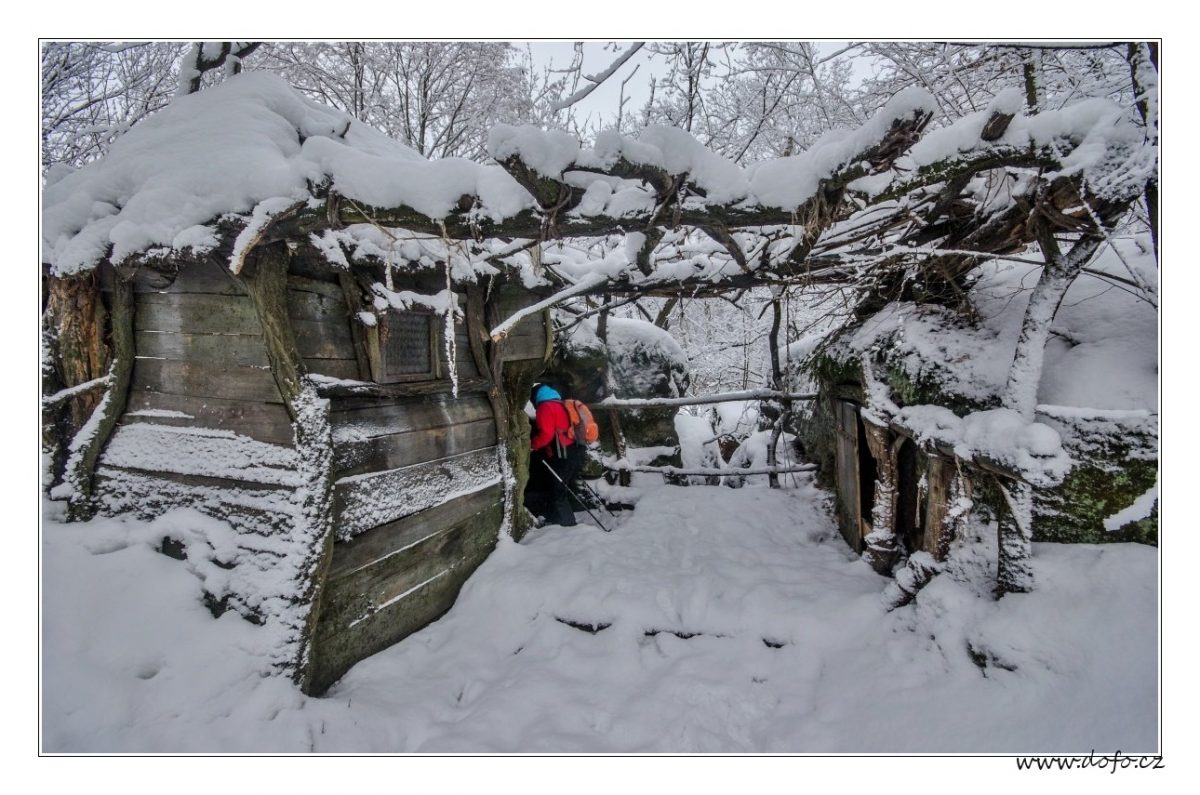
[94, 91]
[440, 98]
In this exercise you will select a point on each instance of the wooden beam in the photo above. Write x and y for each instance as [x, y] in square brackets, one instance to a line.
[699, 400]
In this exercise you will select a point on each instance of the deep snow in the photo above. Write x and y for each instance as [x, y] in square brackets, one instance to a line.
[791, 648]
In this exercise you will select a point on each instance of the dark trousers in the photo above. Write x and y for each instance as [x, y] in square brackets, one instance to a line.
[545, 495]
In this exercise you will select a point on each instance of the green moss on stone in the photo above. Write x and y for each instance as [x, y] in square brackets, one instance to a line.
[1075, 510]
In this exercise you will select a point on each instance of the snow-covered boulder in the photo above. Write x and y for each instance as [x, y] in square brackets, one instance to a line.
[638, 360]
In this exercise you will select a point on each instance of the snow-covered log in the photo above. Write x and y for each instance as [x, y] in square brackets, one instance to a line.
[547, 185]
[698, 400]
[620, 466]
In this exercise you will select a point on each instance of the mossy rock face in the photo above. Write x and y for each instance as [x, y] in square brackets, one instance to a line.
[812, 425]
[925, 387]
[1116, 458]
[1118, 464]
[642, 361]
[578, 369]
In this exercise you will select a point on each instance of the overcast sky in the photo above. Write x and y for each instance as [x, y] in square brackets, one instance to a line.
[599, 108]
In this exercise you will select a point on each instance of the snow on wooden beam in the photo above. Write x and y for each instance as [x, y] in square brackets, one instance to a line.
[668, 470]
[697, 400]
[70, 392]
[587, 283]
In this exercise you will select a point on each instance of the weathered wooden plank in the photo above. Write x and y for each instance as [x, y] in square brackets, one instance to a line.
[368, 500]
[225, 349]
[205, 380]
[330, 289]
[319, 306]
[352, 600]
[465, 359]
[382, 417]
[383, 542]
[404, 449]
[196, 313]
[356, 623]
[313, 268]
[846, 464]
[247, 507]
[266, 422]
[334, 368]
[198, 277]
[328, 339]
[354, 306]
[190, 450]
[369, 394]
[510, 298]
[524, 346]
[200, 481]
[466, 365]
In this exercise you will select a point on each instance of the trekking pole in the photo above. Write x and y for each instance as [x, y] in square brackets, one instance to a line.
[576, 496]
[599, 499]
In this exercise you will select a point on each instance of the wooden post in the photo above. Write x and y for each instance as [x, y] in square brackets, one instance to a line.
[1014, 572]
[881, 547]
[510, 384]
[90, 439]
[624, 478]
[265, 280]
[778, 385]
[354, 305]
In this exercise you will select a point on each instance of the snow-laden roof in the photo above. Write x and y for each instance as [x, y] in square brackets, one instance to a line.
[253, 147]
[254, 142]
[251, 139]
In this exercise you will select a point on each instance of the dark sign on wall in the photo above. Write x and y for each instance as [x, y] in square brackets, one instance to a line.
[405, 347]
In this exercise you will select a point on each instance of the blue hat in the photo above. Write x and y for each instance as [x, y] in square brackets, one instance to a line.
[545, 392]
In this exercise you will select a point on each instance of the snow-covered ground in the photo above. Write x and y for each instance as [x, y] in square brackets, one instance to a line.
[734, 621]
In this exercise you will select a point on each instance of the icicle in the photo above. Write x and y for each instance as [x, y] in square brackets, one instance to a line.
[510, 492]
[451, 310]
[388, 265]
[451, 340]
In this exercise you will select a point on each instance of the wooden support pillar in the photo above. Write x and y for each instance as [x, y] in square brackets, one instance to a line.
[90, 438]
[510, 384]
[265, 280]
[949, 505]
[1014, 573]
[881, 544]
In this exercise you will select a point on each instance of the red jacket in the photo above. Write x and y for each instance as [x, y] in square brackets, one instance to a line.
[551, 418]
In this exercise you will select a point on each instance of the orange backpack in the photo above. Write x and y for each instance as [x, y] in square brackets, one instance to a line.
[585, 428]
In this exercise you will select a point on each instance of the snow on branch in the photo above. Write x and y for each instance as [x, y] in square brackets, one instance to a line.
[70, 392]
[589, 282]
[594, 81]
[624, 466]
[546, 185]
[697, 400]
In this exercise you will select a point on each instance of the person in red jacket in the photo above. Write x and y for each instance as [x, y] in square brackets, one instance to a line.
[551, 441]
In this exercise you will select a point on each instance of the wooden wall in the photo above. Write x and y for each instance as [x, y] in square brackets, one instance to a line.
[205, 424]
[417, 495]
[530, 338]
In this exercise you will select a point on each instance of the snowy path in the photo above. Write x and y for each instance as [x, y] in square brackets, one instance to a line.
[737, 621]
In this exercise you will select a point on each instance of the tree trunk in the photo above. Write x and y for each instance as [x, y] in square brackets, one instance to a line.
[1143, 68]
[76, 316]
[1015, 571]
[624, 478]
[85, 342]
[1020, 393]
[882, 547]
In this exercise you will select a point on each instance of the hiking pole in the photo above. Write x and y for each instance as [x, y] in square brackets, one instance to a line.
[599, 499]
[576, 496]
